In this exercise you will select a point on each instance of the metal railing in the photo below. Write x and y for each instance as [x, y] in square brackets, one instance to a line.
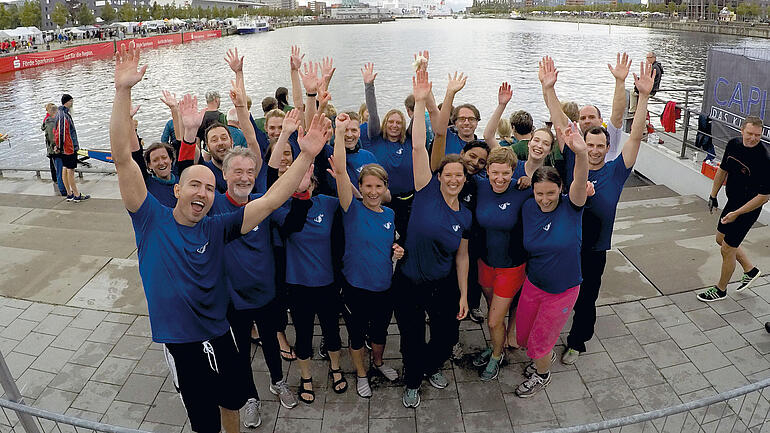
[38, 171]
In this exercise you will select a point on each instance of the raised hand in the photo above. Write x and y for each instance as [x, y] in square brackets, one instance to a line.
[456, 82]
[318, 134]
[310, 79]
[236, 94]
[646, 78]
[341, 123]
[235, 62]
[421, 61]
[291, 122]
[421, 87]
[368, 73]
[127, 71]
[504, 94]
[573, 138]
[323, 98]
[169, 99]
[327, 70]
[547, 72]
[304, 184]
[188, 110]
[331, 170]
[622, 66]
[295, 60]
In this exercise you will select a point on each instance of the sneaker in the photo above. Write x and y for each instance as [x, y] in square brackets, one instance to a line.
[533, 385]
[476, 315]
[387, 371]
[438, 380]
[252, 417]
[80, 198]
[482, 358]
[492, 369]
[411, 397]
[747, 279]
[457, 351]
[362, 387]
[287, 398]
[530, 369]
[570, 356]
[322, 352]
[712, 294]
[70, 197]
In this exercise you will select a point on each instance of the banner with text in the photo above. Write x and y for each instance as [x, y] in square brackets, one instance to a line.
[31, 60]
[197, 36]
[153, 41]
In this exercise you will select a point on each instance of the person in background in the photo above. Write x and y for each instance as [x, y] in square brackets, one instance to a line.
[54, 158]
[239, 140]
[66, 140]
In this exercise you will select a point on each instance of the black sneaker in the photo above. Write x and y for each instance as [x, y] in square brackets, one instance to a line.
[712, 294]
[748, 279]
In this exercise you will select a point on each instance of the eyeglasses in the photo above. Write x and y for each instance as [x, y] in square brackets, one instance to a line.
[466, 119]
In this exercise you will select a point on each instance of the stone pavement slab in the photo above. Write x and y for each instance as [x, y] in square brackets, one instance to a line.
[117, 286]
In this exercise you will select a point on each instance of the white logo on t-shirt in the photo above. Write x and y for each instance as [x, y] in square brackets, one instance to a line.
[455, 227]
[400, 151]
[255, 228]
[202, 249]
[387, 225]
[358, 170]
[547, 227]
[467, 198]
[503, 206]
[319, 219]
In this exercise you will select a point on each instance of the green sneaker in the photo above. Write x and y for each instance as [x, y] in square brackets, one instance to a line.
[411, 397]
[492, 369]
[482, 358]
[748, 279]
[438, 380]
[570, 356]
[712, 294]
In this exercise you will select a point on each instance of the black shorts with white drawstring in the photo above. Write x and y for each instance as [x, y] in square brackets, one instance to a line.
[206, 375]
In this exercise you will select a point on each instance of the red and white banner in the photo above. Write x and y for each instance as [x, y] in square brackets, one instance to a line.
[206, 34]
[153, 41]
[32, 60]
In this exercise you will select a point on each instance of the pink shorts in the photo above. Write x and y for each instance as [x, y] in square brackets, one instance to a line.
[504, 281]
[540, 318]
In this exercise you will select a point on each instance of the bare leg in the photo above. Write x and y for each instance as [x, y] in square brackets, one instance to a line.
[285, 347]
[510, 332]
[497, 310]
[334, 361]
[543, 364]
[73, 185]
[488, 293]
[358, 361]
[231, 420]
[377, 351]
[304, 371]
[740, 255]
[65, 177]
[728, 265]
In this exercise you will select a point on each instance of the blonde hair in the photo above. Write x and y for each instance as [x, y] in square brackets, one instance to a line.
[275, 112]
[330, 111]
[361, 110]
[375, 170]
[50, 107]
[571, 110]
[505, 130]
[502, 155]
[385, 123]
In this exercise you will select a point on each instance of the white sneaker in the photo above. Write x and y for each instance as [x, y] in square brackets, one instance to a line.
[252, 418]
[287, 398]
[387, 371]
[570, 356]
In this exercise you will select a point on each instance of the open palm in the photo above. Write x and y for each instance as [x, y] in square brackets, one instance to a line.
[127, 71]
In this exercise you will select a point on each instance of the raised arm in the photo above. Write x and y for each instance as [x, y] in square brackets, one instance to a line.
[421, 87]
[573, 139]
[369, 75]
[130, 179]
[547, 74]
[169, 99]
[312, 83]
[455, 84]
[311, 144]
[438, 150]
[191, 119]
[620, 72]
[238, 96]
[327, 71]
[421, 63]
[295, 62]
[341, 175]
[290, 124]
[643, 83]
[504, 95]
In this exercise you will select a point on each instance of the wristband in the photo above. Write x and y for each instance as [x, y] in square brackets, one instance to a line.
[305, 195]
[311, 95]
[188, 142]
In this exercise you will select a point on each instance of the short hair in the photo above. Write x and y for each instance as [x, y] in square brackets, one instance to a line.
[598, 130]
[330, 111]
[522, 123]
[456, 111]
[375, 170]
[49, 106]
[269, 103]
[752, 120]
[275, 112]
[598, 111]
[502, 155]
[547, 174]
[155, 146]
[211, 95]
[481, 144]
[281, 94]
[409, 102]
[571, 110]
[216, 125]
[403, 124]
[353, 116]
[232, 115]
[504, 130]
[236, 152]
[449, 159]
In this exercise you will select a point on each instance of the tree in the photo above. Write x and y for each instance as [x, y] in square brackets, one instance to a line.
[142, 13]
[60, 15]
[157, 11]
[108, 13]
[30, 14]
[126, 12]
[85, 16]
[6, 17]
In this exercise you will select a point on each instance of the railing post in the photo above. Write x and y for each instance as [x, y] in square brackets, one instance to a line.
[9, 385]
[686, 122]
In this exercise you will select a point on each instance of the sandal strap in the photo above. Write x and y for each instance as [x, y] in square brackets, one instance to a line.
[303, 380]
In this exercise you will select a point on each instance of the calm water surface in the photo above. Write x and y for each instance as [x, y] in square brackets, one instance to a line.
[489, 51]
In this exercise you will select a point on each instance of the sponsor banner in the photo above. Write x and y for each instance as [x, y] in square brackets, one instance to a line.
[206, 34]
[32, 60]
[736, 86]
[153, 41]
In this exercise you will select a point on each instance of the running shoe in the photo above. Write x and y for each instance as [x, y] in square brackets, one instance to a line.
[281, 389]
[533, 385]
[712, 294]
[322, 352]
[438, 380]
[530, 369]
[492, 369]
[387, 371]
[70, 197]
[570, 356]
[482, 358]
[748, 279]
[252, 417]
[80, 198]
[476, 315]
[411, 397]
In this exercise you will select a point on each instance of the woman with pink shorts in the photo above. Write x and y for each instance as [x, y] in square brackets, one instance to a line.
[552, 224]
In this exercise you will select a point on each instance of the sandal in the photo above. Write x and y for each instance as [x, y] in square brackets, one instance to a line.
[303, 391]
[288, 355]
[336, 383]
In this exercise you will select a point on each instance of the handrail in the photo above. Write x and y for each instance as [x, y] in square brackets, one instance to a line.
[57, 417]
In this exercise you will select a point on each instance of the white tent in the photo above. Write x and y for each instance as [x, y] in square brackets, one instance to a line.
[24, 33]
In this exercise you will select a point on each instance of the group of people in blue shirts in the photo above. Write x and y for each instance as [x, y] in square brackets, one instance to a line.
[366, 219]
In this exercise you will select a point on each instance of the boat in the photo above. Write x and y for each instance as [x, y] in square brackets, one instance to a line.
[246, 26]
[262, 25]
[515, 15]
[101, 155]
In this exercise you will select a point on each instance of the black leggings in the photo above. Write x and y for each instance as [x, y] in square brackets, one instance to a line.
[366, 313]
[592, 265]
[402, 208]
[440, 299]
[306, 303]
[266, 318]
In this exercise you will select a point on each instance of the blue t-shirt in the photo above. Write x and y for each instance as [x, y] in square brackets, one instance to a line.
[368, 243]
[553, 240]
[356, 161]
[249, 260]
[433, 235]
[260, 184]
[182, 270]
[498, 216]
[364, 139]
[163, 190]
[396, 159]
[168, 135]
[221, 183]
[238, 138]
[454, 144]
[309, 252]
[599, 215]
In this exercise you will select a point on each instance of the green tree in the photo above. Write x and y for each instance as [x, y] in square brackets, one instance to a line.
[6, 21]
[156, 11]
[108, 13]
[60, 14]
[126, 12]
[671, 7]
[85, 16]
[142, 13]
[30, 14]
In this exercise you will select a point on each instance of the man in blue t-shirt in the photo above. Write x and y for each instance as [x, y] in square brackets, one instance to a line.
[181, 253]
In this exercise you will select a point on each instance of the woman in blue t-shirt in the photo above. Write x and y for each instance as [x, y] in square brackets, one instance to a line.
[552, 224]
[368, 259]
[437, 238]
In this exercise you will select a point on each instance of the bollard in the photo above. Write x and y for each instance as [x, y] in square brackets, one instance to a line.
[9, 385]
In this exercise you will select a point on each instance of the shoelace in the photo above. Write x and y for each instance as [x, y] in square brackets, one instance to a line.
[208, 349]
[281, 387]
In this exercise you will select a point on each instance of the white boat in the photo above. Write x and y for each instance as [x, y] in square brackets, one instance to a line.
[246, 27]
[261, 25]
[516, 16]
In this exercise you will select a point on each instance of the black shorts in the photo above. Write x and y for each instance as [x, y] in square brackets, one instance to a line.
[737, 230]
[207, 376]
[69, 161]
[367, 313]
